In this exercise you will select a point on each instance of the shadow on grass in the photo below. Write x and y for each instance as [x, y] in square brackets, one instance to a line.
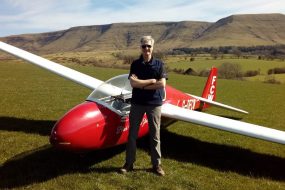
[27, 126]
[231, 117]
[222, 157]
[46, 163]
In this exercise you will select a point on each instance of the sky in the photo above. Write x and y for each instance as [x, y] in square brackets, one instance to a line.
[27, 16]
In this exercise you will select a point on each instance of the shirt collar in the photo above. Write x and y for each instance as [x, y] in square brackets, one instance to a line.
[147, 63]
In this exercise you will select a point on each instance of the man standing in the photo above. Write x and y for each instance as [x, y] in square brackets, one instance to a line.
[148, 79]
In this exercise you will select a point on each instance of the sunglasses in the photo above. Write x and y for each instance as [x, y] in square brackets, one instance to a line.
[144, 46]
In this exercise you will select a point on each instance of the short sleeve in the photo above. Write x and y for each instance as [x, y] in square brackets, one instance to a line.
[163, 73]
[131, 70]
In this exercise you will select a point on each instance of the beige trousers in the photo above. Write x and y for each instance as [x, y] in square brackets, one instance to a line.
[154, 117]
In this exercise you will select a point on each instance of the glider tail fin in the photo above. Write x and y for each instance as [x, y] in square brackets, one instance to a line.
[210, 88]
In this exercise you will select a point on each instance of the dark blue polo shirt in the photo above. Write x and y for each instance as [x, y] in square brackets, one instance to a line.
[150, 70]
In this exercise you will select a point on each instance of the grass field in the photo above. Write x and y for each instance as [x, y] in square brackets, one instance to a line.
[206, 61]
[201, 62]
[194, 157]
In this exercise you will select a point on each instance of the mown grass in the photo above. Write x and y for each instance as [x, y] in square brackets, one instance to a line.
[202, 62]
[250, 64]
[194, 157]
[263, 78]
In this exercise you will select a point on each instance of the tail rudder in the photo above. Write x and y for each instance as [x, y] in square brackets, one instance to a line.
[210, 88]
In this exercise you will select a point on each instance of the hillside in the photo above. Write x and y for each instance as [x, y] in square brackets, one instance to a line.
[235, 30]
[245, 30]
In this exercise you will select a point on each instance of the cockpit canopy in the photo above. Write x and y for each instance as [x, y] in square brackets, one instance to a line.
[115, 94]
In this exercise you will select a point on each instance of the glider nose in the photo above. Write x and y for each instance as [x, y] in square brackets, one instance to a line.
[78, 129]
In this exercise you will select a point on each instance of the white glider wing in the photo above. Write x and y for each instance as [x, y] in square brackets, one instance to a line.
[168, 110]
[243, 128]
[56, 68]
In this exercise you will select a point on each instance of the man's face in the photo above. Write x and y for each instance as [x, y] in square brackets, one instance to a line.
[147, 48]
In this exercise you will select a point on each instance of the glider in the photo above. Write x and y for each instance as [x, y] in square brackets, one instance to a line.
[102, 120]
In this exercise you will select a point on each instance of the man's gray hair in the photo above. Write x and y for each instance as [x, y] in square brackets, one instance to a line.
[146, 39]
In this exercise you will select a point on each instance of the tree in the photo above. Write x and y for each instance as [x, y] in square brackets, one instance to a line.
[237, 52]
[230, 71]
[214, 53]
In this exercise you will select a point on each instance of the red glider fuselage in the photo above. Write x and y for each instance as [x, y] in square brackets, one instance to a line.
[91, 126]
[95, 125]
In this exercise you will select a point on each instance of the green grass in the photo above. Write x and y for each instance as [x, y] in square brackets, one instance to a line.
[261, 78]
[194, 157]
[206, 62]
[202, 62]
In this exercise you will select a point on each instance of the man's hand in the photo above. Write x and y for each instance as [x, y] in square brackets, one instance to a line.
[157, 85]
[138, 83]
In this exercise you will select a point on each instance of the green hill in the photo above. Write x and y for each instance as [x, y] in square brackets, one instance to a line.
[235, 30]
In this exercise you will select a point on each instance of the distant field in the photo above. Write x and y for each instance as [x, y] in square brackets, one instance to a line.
[207, 62]
[201, 62]
[194, 157]
[261, 78]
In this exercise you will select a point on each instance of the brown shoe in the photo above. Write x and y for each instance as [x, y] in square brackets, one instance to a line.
[158, 170]
[126, 168]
